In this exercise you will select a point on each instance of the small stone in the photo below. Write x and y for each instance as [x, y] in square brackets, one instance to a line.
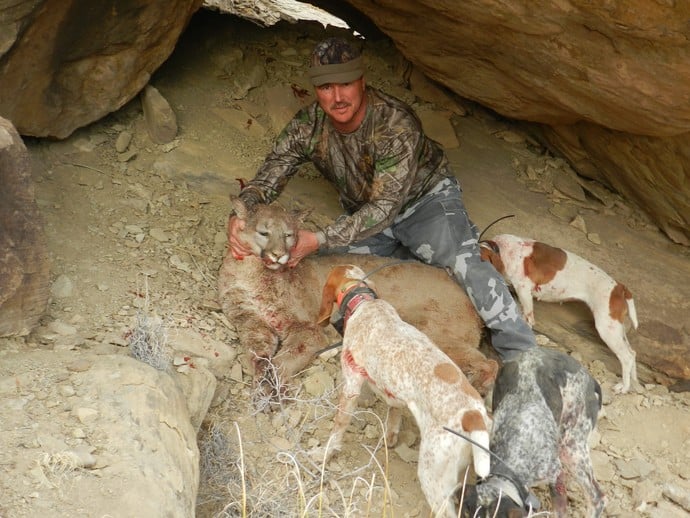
[62, 287]
[594, 238]
[62, 328]
[66, 390]
[161, 121]
[159, 235]
[646, 492]
[280, 443]
[542, 340]
[633, 468]
[127, 156]
[318, 384]
[406, 453]
[407, 437]
[83, 457]
[78, 433]
[123, 141]
[372, 432]
[85, 415]
[578, 222]
[678, 495]
[509, 136]
[603, 468]
[180, 360]
[79, 365]
[236, 372]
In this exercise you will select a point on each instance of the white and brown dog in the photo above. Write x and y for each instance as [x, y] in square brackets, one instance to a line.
[405, 368]
[550, 274]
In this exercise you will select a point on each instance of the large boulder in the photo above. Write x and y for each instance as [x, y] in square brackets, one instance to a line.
[98, 435]
[24, 268]
[612, 79]
[67, 63]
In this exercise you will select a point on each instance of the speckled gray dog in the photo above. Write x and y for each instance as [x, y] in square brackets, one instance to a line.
[545, 407]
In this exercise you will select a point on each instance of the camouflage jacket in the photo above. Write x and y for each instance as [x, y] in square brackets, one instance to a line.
[378, 170]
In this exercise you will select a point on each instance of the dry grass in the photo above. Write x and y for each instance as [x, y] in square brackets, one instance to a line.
[148, 339]
[270, 473]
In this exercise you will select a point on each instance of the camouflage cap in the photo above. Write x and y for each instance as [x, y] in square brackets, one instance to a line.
[335, 60]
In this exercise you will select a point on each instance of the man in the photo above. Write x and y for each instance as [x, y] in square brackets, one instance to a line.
[395, 184]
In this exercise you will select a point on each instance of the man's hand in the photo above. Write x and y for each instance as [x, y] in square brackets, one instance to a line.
[306, 244]
[238, 248]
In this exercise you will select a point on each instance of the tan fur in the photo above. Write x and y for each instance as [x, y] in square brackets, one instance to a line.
[274, 310]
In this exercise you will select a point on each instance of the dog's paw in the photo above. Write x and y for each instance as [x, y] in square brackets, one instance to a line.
[392, 438]
[633, 387]
[620, 388]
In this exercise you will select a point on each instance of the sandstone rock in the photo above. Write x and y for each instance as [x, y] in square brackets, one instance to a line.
[614, 82]
[67, 64]
[139, 417]
[24, 268]
[652, 172]
[161, 122]
[624, 69]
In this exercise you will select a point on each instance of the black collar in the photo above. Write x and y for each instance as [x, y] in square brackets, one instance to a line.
[353, 298]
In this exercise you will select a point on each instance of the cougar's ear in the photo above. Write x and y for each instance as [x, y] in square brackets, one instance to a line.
[239, 207]
[301, 215]
[329, 294]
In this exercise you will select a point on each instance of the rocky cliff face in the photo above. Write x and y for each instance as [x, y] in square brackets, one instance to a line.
[609, 82]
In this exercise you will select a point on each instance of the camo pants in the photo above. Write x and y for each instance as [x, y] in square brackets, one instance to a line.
[438, 231]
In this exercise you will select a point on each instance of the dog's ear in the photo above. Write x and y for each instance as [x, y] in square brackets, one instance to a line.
[328, 296]
[489, 251]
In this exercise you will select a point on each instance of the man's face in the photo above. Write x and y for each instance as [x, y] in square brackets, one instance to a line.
[344, 103]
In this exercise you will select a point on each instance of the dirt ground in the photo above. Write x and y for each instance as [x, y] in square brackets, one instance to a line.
[146, 225]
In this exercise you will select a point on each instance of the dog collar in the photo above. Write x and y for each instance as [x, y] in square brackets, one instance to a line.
[349, 298]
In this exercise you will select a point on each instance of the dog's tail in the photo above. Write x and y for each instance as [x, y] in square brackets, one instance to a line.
[476, 427]
[632, 313]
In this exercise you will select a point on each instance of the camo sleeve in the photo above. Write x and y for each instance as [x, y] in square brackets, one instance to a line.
[394, 168]
[290, 150]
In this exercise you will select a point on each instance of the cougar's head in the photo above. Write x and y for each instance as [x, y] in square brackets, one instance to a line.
[270, 231]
